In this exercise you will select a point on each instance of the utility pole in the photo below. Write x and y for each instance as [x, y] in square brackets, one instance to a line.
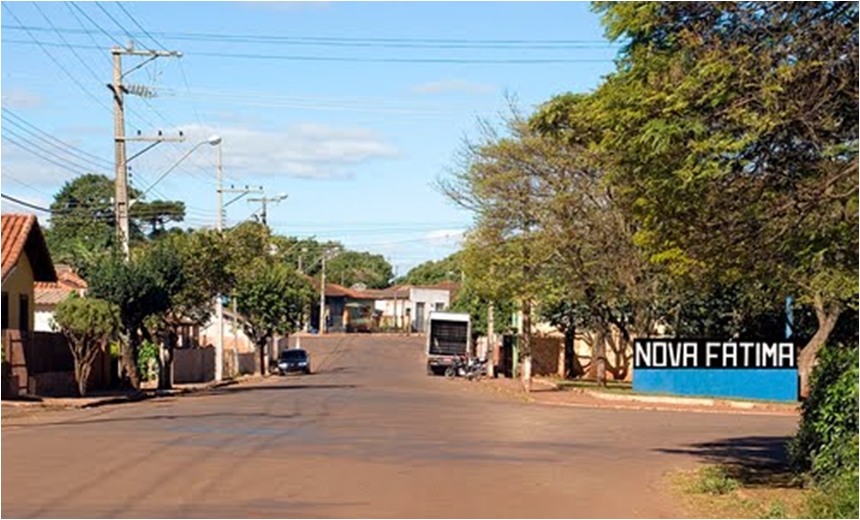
[219, 303]
[322, 295]
[121, 202]
[264, 201]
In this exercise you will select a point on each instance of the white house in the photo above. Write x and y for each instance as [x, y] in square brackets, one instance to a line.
[46, 296]
[408, 306]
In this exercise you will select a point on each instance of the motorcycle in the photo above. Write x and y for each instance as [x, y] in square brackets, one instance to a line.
[469, 368]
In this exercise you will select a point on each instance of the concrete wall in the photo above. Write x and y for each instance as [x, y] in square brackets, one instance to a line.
[194, 365]
[43, 318]
[18, 282]
[748, 383]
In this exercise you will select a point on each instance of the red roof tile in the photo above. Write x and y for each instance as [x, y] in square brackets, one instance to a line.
[21, 234]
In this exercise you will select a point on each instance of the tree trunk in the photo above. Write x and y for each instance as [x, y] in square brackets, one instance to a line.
[598, 357]
[128, 345]
[827, 317]
[526, 347]
[491, 341]
[165, 360]
[261, 348]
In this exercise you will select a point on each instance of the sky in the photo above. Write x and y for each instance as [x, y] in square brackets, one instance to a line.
[352, 110]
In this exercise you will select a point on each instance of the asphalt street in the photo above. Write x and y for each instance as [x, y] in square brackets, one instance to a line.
[369, 434]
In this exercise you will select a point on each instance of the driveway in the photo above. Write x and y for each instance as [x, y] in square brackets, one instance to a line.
[367, 435]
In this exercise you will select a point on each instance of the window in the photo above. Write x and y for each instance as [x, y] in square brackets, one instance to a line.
[24, 313]
[5, 310]
[440, 306]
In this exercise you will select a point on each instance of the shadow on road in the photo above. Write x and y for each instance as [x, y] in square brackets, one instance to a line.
[252, 388]
[754, 461]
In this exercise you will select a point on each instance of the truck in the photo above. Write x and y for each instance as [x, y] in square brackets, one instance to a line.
[448, 337]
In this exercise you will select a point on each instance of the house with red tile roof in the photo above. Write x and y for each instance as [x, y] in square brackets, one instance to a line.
[48, 294]
[25, 261]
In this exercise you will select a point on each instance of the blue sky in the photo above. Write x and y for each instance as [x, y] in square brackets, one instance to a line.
[351, 109]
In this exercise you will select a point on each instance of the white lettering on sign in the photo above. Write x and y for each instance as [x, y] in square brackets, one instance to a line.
[710, 347]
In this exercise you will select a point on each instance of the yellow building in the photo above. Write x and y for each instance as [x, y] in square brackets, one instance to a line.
[25, 260]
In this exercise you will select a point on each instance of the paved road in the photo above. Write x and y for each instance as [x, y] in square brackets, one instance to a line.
[368, 435]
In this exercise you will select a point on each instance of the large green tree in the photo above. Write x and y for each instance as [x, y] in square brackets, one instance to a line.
[272, 298]
[83, 221]
[730, 129]
[448, 269]
[352, 267]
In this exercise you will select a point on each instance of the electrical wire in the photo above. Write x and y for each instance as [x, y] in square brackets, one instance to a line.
[401, 43]
[356, 59]
[42, 135]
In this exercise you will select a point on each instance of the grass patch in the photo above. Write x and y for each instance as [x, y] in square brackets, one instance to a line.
[713, 491]
[714, 480]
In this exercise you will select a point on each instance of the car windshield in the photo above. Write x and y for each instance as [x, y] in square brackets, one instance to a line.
[294, 355]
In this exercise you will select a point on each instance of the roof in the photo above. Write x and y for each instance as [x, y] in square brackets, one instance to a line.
[52, 293]
[21, 234]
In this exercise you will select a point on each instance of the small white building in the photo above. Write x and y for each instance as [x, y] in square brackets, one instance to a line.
[409, 306]
[46, 296]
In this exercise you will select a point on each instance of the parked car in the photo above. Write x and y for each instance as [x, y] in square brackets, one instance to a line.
[294, 360]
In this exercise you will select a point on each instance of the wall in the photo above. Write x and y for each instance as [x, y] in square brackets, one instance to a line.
[19, 281]
[545, 356]
[43, 318]
[749, 383]
[430, 297]
[193, 365]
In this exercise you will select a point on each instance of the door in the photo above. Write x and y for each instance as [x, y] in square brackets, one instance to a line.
[419, 316]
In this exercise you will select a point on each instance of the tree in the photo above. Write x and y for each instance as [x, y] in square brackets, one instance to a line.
[351, 267]
[743, 115]
[448, 269]
[83, 223]
[271, 298]
[88, 324]
[139, 289]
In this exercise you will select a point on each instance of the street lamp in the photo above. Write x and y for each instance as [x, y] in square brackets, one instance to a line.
[214, 140]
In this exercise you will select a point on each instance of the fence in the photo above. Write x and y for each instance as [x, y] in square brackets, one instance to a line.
[40, 363]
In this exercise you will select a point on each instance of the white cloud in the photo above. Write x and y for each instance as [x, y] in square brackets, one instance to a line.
[19, 99]
[453, 86]
[305, 150]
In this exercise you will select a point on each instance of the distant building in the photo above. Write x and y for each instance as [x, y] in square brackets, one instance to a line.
[48, 294]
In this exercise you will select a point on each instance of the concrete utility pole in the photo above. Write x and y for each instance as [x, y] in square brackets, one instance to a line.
[264, 201]
[121, 202]
[322, 295]
[219, 303]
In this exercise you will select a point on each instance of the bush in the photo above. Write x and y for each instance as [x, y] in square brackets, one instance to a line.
[713, 480]
[829, 416]
[147, 357]
[836, 496]
[825, 447]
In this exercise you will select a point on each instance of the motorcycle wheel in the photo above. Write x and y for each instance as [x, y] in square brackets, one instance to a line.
[450, 372]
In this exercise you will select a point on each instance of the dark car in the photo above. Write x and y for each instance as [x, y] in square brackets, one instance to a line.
[294, 360]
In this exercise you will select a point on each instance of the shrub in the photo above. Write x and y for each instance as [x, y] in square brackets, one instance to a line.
[829, 416]
[836, 496]
[713, 480]
[147, 356]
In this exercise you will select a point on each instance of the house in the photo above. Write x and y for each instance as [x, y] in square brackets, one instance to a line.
[346, 309]
[409, 306]
[48, 294]
[25, 261]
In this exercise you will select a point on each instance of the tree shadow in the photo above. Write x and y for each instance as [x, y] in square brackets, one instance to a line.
[753, 461]
[255, 388]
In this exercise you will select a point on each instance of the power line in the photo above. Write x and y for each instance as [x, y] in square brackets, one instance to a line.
[354, 59]
[25, 203]
[103, 31]
[408, 43]
[24, 147]
[35, 131]
[57, 62]
[114, 20]
[73, 51]
[132, 18]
